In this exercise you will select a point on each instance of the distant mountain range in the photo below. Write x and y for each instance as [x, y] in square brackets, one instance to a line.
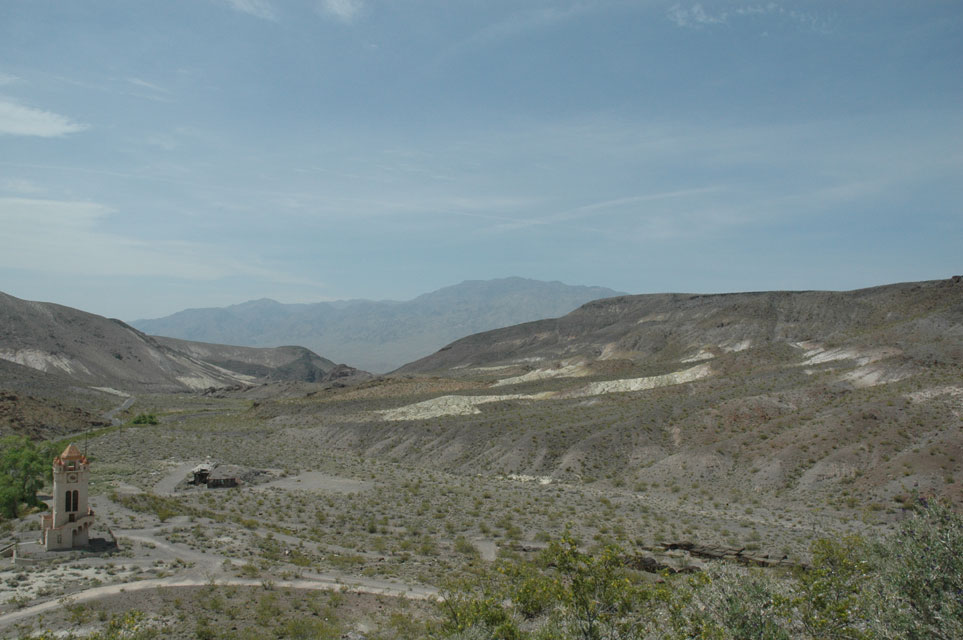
[379, 336]
[84, 349]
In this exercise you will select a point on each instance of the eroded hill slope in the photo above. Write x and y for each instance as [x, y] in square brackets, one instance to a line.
[91, 350]
[811, 397]
[912, 317]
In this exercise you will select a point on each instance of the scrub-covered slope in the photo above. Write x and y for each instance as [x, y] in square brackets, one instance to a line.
[91, 350]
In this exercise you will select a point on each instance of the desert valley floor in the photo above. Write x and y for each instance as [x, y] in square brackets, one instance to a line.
[730, 439]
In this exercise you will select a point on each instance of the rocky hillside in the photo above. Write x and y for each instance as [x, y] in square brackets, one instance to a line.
[90, 350]
[43, 405]
[272, 364]
[904, 322]
[379, 336]
[852, 399]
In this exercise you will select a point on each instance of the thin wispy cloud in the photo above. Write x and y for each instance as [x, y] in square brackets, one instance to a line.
[144, 84]
[697, 16]
[528, 20]
[516, 25]
[257, 8]
[344, 10]
[19, 120]
[20, 186]
[162, 141]
[6, 78]
[627, 203]
[148, 90]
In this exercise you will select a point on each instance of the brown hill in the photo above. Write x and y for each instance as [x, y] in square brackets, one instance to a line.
[809, 397]
[91, 350]
[921, 320]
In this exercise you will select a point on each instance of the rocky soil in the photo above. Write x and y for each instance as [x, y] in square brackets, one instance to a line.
[686, 429]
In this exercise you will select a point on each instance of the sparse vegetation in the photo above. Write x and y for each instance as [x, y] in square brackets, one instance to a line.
[904, 586]
[564, 494]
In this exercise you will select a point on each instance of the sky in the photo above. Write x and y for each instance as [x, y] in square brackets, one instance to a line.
[157, 156]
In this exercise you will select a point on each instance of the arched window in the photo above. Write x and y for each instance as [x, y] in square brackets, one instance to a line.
[76, 501]
[67, 502]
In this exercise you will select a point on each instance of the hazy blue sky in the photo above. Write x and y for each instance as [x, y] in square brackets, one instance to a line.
[162, 155]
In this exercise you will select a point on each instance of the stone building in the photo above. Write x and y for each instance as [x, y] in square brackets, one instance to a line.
[69, 524]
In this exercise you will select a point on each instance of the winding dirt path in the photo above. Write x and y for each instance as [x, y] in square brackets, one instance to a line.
[123, 406]
[165, 486]
[319, 582]
[208, 569]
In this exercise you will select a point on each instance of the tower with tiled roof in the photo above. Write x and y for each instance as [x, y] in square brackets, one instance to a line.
[69, 524]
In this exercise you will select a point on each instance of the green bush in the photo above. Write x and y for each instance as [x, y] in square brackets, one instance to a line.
[832, 594]
[565, 594]
[918, 592]
[726, 602]
[22, 469]
[464, 547]
[909, 585]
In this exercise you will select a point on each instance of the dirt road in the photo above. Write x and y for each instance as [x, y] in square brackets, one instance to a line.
[318, 582]
[206, 568]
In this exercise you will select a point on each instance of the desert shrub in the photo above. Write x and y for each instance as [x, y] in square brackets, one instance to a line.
[161, 506]
[726, 603]
[918, 592]
[130, 625]
[831, 595]
[401, 625]
[531, 591]
[144, 418]
[475, 607]
[565, 594]
[309, 629]
[909, 585]
[268, 610]
[464, 547]
[598, 596]
[203, 629]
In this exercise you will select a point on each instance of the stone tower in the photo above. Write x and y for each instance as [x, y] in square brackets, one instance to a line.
[68, 526]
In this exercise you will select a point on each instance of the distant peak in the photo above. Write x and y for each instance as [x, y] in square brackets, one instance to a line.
[260, 302]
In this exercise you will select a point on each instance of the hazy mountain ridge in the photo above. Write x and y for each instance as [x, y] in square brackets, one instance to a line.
[90, 350]
[379, 335]
[651, 327]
